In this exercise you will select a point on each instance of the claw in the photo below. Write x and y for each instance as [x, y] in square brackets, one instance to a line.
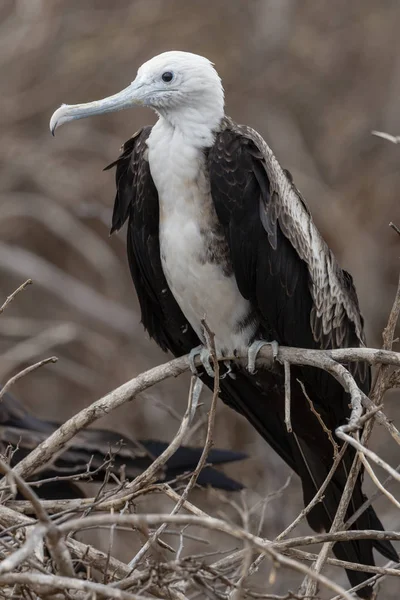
[253, 351]
[204, 354]
[229, 371]
[192, 357]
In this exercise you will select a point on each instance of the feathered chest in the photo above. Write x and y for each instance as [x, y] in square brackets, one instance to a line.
[194, 251]
[188, 222]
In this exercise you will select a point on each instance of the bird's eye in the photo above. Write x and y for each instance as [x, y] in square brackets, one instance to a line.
[167, 76]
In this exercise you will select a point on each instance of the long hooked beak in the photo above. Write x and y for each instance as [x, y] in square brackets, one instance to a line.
[128, 97]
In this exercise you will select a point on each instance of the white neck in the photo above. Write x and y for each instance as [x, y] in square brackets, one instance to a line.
[197, 127]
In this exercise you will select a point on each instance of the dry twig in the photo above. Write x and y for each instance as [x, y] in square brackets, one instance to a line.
[282, 551]
[12, 380]
[11, 297]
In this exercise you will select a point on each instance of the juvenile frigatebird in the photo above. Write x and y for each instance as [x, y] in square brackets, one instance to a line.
[217, 229]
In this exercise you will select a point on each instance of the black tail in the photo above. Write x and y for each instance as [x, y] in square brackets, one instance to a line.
[313, 473]
[309, 453]
[363, 550]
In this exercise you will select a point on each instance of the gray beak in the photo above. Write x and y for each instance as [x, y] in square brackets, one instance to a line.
[130, 96]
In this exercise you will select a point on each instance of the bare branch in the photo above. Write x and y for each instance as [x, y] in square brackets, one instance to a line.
[12, 380]
[375, 479]
[372, 455]
[395, 139]
[55, 542]
[47, 583]
[11, 297]
[325, 359]
[320, 420]
[394, 226]
[317, 498]
[288, 422]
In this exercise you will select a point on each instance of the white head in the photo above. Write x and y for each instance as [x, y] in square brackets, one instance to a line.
[179, 86]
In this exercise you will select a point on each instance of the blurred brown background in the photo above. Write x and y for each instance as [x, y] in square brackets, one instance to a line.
[313, 77]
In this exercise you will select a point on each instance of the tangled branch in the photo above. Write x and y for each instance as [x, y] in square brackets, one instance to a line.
[31, 546]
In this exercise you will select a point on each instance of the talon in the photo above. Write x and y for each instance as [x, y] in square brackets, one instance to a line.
[255, 348]
[275, 348]
[204, 354]
[229, 371]
[205, 361]
[192, 357]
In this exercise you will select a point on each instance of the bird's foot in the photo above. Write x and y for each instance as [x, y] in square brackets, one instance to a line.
[205, 355]
[255, 348]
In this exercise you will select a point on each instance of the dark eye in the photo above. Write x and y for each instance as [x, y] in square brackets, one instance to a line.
[167, 76]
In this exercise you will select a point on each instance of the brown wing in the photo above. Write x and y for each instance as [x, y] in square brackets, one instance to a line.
[281, 262]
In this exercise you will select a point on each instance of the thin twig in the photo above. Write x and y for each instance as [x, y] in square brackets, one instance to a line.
[372, 455]
[12, 380]
[389, 331]
[320, 420]
[288, 422]
[395, 139]
[317, 498]
[370, 581]
[393, 226]
[49, 583]
[368, 502]
[375, 479]
[55, 542]
[11, 297]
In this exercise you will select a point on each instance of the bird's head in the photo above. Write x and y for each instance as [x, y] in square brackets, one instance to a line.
[177, 85]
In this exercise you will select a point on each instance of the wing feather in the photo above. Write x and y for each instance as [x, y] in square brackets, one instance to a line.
[332, 288]
[290, 274]
[137, 201]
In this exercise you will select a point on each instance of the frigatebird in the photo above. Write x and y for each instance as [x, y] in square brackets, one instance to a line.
[218, 230]
[100, 450]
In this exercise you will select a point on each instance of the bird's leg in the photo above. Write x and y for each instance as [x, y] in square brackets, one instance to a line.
[255, 348]
[205, 355]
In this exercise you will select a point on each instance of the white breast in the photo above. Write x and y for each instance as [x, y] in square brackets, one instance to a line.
[201, 288]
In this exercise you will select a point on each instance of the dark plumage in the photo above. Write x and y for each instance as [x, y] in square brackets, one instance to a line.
[216, 227]
[23, 432]
[272, 267]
